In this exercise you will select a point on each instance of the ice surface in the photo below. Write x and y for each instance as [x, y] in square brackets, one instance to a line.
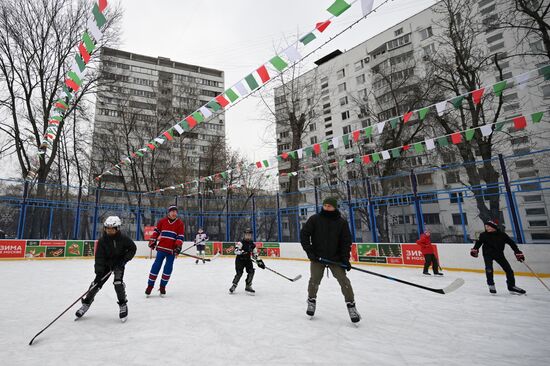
[199, 323]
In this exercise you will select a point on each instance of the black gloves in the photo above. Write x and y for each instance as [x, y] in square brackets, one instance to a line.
[347, 264]
[311, 256]
[260, 263]
[177, 251]
[520, 257]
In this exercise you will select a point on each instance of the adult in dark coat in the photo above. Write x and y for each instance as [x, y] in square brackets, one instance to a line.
[326, 235]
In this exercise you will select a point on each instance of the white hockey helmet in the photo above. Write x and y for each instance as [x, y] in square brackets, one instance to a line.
[112, 221]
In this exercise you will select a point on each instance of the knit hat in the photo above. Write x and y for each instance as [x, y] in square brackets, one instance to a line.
[331, 201]
[491, 223]
[172, 208]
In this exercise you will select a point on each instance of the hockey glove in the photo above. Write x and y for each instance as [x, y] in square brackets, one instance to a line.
[177, 250]
[260, 263]
[347, 265]
[311, 256]
[152, 243]
[474, 252]
[520, 257]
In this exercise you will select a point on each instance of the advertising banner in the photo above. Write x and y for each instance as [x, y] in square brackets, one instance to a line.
[55, 252]
[74, 248]
[268, 249]
[148, 232]
[228, 248]
[33, 243]
[35, 252]
[369, 253]
[392, 253]
[88, 248]
[52, 243]
[12, 248]
[217, 247]
[413, 255]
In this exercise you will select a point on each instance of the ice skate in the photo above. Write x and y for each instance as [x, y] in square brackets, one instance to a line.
[83, 309]
[148, 290]
[426, 273]
[311, 304]
[514, 290]
[162, 291]
[123, 312]
[249, 290]
[232, 289]
[438, 274]
[353, 313]
[492, 289]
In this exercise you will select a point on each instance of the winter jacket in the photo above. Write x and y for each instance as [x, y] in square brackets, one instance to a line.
[494, 242]
[326, 235]
[113, 251]
[170, 234]
[425, 243]
[244, 249]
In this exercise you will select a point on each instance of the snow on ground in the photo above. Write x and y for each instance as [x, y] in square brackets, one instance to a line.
[199, 323]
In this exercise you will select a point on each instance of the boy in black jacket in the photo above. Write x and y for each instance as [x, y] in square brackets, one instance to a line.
[326, 235]
[493, 241]
[245, 250]
[113, 251]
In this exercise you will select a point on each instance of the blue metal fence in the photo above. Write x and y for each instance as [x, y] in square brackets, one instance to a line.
[379, 209]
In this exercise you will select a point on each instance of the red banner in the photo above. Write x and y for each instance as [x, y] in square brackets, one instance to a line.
[12, 248]
[148, 232]
[52, 243]
[413, 255]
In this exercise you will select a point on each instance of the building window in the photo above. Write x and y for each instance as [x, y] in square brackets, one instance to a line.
[317, 181]
[452, 177]
[546, 91]
[359, 65]
[312, 127]
[328, 119]
[426, 33]
[302, 184]
[343, 100]
[534, 198]
[360, 79]
[494, 38]
[456, 196]
[340, 74]
[538, 223]
[431, 219]
[528, 174]
[535, 211]
[540, 236]
[345, 115]
[458, 219]
[424, 179]
[313, 140]
[519, 140]
[524, 163]
[398, 32]
[346, 130]
[342, 88]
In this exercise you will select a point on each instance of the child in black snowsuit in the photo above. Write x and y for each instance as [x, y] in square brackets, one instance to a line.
[114, 250]
[245, 251]
[493, 241]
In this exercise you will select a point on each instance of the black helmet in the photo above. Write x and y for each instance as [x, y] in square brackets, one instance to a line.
[248, 231]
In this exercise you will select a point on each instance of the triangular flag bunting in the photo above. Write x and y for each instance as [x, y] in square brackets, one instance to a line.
[168, 135]
[317, 149]
[423, 112]
[278, 63]
[442, 141]
[430, 144]
[205, 111]
[486, 130]
[419, 147]
[366, 6]
[457, 102]
[336, 142]
[356, 135]
[456, 138]
[222, 101]
[394, 122]
[366, 159]
[470, 134]
[198, 117]
[307, 38]
[322, 26]
[395, 153]
[231, 95]
[324, 146]
[499, 125]
[407, 116]
[477, 95]
[338, 7]
[264, 75]
[520, 122]
[380, 126]
[499, 87]
[385, 155]
[292, 54]
[368, 132]
[375, 157]
[241, 89]
[251, 81]
[536, 117]
[441, 107]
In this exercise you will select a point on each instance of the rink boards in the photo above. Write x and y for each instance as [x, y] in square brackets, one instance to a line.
[451, 256]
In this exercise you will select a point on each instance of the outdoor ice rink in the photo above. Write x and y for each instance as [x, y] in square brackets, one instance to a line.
[199, 323]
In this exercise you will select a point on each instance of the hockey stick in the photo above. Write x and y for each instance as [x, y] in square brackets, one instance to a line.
[70, 306]
[288, 278]
[452, 287]
[194, 256]
[538, 278]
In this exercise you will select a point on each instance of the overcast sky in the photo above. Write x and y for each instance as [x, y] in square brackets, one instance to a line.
[238, 36]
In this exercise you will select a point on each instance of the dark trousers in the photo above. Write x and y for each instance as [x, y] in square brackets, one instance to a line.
[431, 260]
[316, 275]
[501, 260]
[120, 287]
[240, 265]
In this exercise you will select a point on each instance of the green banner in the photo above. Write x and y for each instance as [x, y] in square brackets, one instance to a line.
[74, 248]
[35, 251]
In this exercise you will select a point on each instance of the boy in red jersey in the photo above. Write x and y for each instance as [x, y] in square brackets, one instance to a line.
[167, 239]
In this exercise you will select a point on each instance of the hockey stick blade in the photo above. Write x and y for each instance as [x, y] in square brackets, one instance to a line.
[296, 278]
[455, 285]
